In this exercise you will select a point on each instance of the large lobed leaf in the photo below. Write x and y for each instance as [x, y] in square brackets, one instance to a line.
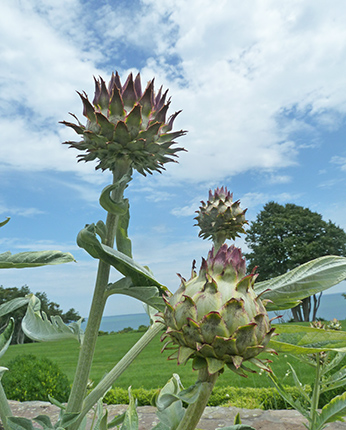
[333, 411]
[170, 409]
[33, 259]
[140, 275]
[287, 290]
[296, 339]
[38, 327]
[149, 295]
[131, 418]
[6, 336]
[12, 305]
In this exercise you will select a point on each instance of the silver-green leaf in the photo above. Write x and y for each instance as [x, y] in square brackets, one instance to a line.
[310, 278]
[139, 275]
[333, 411]
[33, 259]
[296, 339]
[38, 327]
[131, 417]
[6, 336]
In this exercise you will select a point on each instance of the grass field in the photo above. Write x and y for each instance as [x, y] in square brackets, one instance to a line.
[151, 369]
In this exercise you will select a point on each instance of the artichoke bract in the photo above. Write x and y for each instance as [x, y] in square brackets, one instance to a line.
[126, 124]
[216, 318]
[220, 218]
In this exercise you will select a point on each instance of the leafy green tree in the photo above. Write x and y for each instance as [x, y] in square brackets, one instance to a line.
[285, 236]
[50, 308]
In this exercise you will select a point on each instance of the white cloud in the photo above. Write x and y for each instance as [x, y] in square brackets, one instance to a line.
[235, 70]
[188, 210]
[340, 161]
[151, 193]
[279, 179]
[26, 212]
[242, 67]
[42, 66]
[254, 200]
[249, 80]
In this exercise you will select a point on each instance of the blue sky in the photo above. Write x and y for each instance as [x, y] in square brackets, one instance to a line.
[262, 88]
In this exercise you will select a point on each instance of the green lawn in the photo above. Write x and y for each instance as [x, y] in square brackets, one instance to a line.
[151, 369]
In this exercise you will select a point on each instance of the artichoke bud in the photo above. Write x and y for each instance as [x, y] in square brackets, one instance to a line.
[216, 318]
[220, 218]
[124, 123]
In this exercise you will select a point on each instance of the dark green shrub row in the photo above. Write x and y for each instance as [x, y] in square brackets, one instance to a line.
[250, 398]
[31, 378]
[141, 329]
[120, 396]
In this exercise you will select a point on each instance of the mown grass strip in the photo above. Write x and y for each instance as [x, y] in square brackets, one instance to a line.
[151, 369]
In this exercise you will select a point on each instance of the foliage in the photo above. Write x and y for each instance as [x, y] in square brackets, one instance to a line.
[285, 236]
[50, 308]
[126, 130]
[330, 374]
[120, 396]
[238, 397]
[32, 378]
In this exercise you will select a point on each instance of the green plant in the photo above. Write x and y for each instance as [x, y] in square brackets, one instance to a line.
[249, 398]
[32, 378]
[329, 376]
[126, 130]
[216, 317]
[120, 396]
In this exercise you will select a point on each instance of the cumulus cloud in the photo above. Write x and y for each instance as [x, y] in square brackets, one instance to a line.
[236, 71]
[339, 161]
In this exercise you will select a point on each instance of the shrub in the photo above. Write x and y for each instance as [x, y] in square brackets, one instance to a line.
[32, 378]
[249, 398]
[103, 333]
[120, 396]
[252, 398]
[126, 330]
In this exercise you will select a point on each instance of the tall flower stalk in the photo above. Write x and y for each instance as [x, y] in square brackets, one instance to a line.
[126, 129]
[216, 318]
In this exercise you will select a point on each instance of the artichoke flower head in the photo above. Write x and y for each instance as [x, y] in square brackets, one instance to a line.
[216, 318]
[220, 218]
[126, 124]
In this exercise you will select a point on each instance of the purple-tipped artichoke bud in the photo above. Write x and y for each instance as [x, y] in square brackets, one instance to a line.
[220, 218]
[216, 318]
[125, 125]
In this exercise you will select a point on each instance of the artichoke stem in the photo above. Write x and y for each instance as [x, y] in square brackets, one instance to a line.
[195, 410]
[86, 354]
[218, 240]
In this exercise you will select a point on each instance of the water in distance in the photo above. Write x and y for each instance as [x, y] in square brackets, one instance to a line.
[119, 322]
[332, 306]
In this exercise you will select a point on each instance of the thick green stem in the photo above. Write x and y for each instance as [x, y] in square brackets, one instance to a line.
[195, 410]
[218, 240]
[100, 390]
[86, 354]
[5, 410]
[316, 393]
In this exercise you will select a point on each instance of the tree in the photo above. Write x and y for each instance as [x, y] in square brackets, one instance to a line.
[50, 308]
[284, 237]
